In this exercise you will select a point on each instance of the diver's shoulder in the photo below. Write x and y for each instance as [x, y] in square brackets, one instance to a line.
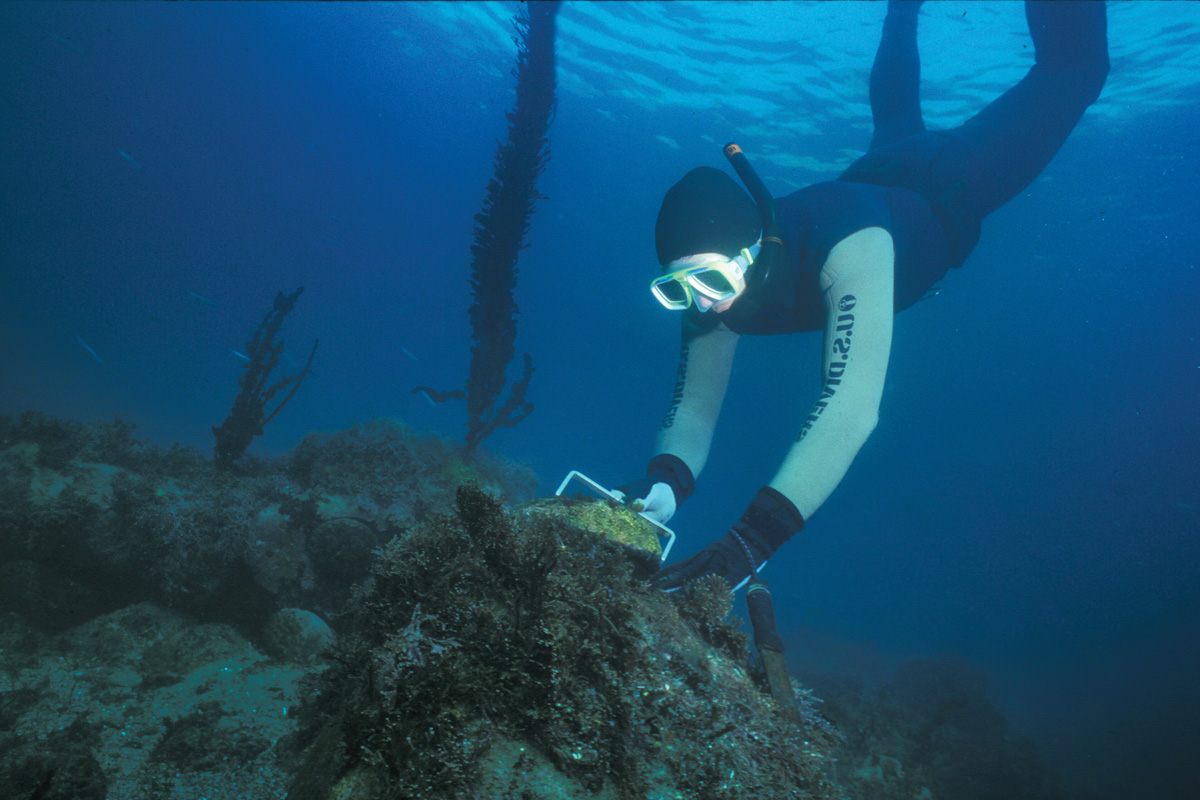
[832, 188]
[833, 197]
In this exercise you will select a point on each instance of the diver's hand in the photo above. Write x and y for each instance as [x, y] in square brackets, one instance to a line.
[668, 483]
[769, 521]
[723, 557]
[653, 499]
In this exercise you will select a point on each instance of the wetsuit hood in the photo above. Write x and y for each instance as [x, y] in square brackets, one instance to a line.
[705, 212]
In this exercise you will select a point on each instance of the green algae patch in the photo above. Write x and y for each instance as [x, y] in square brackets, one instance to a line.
[615, 522]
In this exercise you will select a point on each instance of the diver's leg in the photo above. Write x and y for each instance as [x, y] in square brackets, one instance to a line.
[896, 76]
[1012, 140]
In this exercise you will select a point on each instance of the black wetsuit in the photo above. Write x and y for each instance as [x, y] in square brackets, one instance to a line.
[932, 189]
[929, 191]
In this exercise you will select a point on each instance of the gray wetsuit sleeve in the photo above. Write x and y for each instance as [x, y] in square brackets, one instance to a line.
[705, 361]
[857, 288]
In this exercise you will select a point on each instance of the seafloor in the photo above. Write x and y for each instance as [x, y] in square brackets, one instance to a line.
[375, 615]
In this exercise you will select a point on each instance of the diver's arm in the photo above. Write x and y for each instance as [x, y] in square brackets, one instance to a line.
[857, 285]
[705, 362]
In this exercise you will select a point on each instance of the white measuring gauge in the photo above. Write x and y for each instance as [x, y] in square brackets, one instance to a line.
[663, 531]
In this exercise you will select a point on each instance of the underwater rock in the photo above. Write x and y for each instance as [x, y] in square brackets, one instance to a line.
[293, 634]
[56, 443]
[277, 554]
[498, 654]
[203, 741]
[384, 470]
[931, 731]
[483, 650]
[42, 596]
[141, 703]
[615, 522]
[60, 767]
[169, 527]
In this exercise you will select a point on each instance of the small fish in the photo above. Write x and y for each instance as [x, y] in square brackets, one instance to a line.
[208, 301]
[436, 397]
[125, 154]
[87, 347]
[240, 355]
[408, 353]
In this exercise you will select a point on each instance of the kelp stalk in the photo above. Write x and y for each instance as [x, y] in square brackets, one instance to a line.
[500, 229]
[249, 414]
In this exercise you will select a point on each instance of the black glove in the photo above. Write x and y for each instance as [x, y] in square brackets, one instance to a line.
[770, 520]
[663, 468]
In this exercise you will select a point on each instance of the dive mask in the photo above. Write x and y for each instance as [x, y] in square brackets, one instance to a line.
[711, 275]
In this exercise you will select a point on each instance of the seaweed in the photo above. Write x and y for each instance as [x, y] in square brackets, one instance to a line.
[249, 414]
[516, 654]
[501, 227]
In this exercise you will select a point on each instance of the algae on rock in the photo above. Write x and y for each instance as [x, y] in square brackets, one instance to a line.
[481, 652]
[536, 665]
[90, 513]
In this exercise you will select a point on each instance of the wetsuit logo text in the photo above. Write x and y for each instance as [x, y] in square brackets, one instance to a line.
[677, 397]
[843, 338]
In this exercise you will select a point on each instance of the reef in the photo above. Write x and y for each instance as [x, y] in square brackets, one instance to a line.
[92, 519]
[140, 704]
[516, 655]
[378, 615]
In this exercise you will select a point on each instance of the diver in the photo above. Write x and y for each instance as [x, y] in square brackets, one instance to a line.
[843, 257]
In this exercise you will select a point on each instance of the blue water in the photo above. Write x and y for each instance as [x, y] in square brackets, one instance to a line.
[1031, 497]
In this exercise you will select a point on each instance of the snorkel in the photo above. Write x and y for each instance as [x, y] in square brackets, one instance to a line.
[772, 243]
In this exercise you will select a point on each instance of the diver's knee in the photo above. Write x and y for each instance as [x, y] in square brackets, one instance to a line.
[1089, 77]
[1094, 77]
[1069, 35]
[1071, 39]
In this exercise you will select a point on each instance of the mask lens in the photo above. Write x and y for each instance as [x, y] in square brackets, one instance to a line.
[712, 283]
[672, 293]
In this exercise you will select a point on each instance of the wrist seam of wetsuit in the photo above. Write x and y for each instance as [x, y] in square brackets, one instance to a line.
[773, 517]
[671, 470]
[747, 551]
